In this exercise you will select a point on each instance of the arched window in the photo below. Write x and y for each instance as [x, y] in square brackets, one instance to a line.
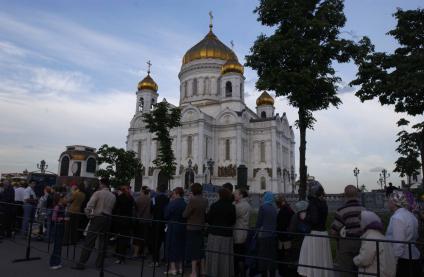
[241, 89]
[263, 114]
[189, 146]
[228, 89]
[263, 183]
[227, 149]
[185, 89]
[91, 165]
[153, 103]
[262, 152]
[64, 166]
[141, 104]
[195, 87]
[139, 150]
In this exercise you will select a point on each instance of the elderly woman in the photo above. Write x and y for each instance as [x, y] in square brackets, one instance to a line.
[222, 213]
[266, 225]
[316, 251]
[366, 259]
[403, 226]
[176, 231]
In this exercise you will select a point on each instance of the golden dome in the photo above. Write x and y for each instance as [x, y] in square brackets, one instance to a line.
[147, 83]
[265, 99]
[210, 47]
[232, 66]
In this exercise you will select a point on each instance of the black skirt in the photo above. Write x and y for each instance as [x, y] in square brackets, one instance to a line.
[195, 247]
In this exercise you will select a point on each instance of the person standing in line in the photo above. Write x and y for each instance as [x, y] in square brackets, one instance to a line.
[43, 202]
[75, 202]
[7, 197]
[366, 260]
[284, 216]
[175, 233]
[142, 224]
[159, 203]
[30, 202]
[19, 201]
[123, 210]
[222, 213]
[299, 226]
[403, 226]
[316, 251]
[347, 224]
[99, 209]
[195, 213]
[58, 230]
[240, 236]
[266, 225]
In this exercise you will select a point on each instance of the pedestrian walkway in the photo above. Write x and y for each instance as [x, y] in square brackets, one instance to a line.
[11, 250]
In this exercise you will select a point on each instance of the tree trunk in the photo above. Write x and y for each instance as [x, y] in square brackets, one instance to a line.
[302, 155]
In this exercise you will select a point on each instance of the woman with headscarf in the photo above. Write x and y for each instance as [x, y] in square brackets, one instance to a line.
[316, 251]
[403, 226]
[266, 225]
[366, 260]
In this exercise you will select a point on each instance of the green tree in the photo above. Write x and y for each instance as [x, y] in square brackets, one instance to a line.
[398, 78]
[160, 121]
[120, 166]
[296, 61]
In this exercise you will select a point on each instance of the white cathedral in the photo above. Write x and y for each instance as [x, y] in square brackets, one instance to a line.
[221, 139]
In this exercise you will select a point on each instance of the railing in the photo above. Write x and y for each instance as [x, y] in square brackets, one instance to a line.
[107, 233]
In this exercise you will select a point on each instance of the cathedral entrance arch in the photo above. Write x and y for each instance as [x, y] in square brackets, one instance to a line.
[188, 178]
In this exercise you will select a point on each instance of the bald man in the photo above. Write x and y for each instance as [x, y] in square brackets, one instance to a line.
[347, 223]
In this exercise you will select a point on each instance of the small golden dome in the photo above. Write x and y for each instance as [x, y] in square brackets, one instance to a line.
[148, 83]
[265, 99]
[210, 47]
[232, 66]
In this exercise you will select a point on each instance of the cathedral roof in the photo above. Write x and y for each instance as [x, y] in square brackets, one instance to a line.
[210, 47]
[265, 99]
[148, 83]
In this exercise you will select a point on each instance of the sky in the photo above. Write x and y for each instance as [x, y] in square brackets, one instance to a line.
[69, 72]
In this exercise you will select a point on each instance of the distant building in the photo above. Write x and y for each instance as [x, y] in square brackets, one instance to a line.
[78, 162]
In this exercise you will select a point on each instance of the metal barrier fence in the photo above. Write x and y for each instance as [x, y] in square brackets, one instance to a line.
[104, 235]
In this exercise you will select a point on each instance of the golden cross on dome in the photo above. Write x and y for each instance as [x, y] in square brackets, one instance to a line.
[149, 65]
[210, 22]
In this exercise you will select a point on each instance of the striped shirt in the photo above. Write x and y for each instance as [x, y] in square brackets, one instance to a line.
[349, 216]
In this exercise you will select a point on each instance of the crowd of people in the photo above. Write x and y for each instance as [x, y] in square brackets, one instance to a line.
[179, 227]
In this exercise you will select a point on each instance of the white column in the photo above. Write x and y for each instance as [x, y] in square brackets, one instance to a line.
[239, 146]
[274, 157]
[200, 86]
[200, 147]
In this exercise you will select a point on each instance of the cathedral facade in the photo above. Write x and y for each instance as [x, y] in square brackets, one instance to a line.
[220, 139]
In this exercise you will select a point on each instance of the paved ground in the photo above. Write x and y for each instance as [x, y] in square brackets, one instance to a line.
[11, 250]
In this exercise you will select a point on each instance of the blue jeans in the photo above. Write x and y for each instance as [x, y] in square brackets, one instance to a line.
[58, 229]
[28, 215]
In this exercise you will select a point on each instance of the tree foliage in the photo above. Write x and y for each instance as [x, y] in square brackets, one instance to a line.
[121, 166]
[398, 79]
[296, 61]
[160, 121]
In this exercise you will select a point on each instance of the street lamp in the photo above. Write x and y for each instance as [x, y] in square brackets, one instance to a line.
[293, 177]
[210, 164]
[384, 175]
[356, 173]
[42, 166]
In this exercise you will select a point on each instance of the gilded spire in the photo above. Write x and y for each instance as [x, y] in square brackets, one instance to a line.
[210, 21]
[149, 65]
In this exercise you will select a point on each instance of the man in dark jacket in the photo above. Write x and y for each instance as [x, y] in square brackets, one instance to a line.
[159, 203]
[7, 209]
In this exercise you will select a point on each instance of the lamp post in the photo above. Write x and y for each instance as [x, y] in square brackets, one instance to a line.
[356, 173]
[293, 177]
[384, 175]
[210, 164]
[42, 166]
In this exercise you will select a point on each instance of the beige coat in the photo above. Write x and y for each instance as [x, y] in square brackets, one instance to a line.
[242, 220]
[366, 260]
